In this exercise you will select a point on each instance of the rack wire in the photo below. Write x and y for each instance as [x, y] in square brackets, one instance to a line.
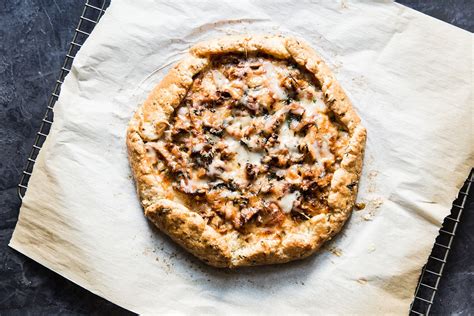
[431, 273]
[91, 13]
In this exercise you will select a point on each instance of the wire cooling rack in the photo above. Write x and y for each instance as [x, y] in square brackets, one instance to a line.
[434, 268]
[91, 14]
[432, 271]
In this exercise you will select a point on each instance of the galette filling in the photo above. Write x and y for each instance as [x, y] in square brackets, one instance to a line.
[252, 144]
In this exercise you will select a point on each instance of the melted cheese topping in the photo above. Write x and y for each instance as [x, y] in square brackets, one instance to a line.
[243, 156]
[286, 203]
[273, 82]
[288, 139]
[220, 81]
[239, 125]
[313, 107]
[252, 144]
[321, 152]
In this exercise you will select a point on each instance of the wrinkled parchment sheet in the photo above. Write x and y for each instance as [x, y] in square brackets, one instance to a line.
[410, 79]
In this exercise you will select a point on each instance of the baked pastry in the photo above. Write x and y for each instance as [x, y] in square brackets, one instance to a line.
[248, 151]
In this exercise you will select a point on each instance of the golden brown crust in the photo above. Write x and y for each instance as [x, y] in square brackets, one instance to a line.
[188, 228]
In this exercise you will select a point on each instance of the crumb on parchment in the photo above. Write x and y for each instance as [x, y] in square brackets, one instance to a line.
[371, 208]
[362, 281]
[372, 185]
[368, 217]
[335, 251]
[359, 206]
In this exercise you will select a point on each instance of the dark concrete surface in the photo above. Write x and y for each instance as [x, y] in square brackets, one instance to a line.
[34, 36]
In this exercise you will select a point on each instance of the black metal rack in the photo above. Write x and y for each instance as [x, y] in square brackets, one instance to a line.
[91, 14]
[433, 270]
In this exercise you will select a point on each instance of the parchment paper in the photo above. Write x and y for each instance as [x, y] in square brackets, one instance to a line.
[410, 79]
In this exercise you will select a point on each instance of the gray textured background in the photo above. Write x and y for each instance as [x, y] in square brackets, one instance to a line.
[34, 37]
